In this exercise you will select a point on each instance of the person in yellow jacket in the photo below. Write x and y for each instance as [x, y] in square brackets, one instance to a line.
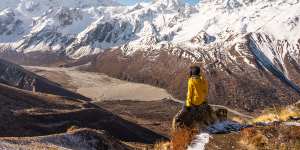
[197, 88]
[196, 98]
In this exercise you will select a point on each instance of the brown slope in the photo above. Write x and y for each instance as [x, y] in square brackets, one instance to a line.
[27, 114]
[34, 58]
[157, 117]
[234, 85]
[81, 139]
[14, 75]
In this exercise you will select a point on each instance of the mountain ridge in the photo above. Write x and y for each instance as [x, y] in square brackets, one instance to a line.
[172, 34]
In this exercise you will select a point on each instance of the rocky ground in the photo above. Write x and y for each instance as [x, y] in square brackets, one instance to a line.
[139, 121]
[44, 120]
[252, 64]
[85, 139]
[156, 115]
[29, 114]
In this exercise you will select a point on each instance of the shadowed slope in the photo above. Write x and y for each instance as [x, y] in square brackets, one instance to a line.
[82, 139]
[28, 114]
[17, 76]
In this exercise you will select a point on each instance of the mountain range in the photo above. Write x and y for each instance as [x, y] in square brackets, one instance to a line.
[249, 49]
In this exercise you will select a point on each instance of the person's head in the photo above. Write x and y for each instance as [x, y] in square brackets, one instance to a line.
[195, 71]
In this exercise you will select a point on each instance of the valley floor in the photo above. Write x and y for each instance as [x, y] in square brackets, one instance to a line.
[100, 87]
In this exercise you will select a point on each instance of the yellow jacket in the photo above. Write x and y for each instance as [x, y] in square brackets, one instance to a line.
[197, 91]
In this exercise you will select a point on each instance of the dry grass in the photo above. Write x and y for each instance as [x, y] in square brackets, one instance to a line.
[43, 147]
[239, 119]
[271, 137]
[278, 114]
[72, 128]
[31, 146]
[292, 133]
[252, 138]
[266, 118]
[291, 112]
[180, 139]
[162, 146]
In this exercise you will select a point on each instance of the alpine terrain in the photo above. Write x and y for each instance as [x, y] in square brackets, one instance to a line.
[96, 74]
[240, 43]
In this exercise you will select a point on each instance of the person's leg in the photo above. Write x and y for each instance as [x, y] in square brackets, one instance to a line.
[33, 89]
[207, 114]
[181, 119]
[198, 116]
[221, 114]
[204, 115]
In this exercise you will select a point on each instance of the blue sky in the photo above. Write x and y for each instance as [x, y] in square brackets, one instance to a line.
[132, 2]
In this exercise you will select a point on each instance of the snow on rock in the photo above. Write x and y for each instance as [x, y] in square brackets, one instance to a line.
[84, 28]
[220, 127]
[269, 57]
[79, 28]
[200, 142]
[292, 124]
[225, 127]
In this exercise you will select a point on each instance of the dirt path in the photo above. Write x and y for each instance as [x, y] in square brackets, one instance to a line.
[99, 86]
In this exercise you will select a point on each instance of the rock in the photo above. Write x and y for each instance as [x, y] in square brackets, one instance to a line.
[199, 118]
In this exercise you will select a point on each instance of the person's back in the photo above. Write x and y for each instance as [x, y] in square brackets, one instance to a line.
[197, 90]
[196, 107]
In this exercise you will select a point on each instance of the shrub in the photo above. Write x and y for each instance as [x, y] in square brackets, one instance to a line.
[180, 139]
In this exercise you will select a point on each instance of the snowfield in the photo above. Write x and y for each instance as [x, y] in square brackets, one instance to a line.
[83, 28]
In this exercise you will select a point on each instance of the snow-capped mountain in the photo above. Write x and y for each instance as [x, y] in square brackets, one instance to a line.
[81, 28]
[232, 37]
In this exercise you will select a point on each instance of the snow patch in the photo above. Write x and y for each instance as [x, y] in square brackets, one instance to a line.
[292, 124]
[199, 143]
[225, 127]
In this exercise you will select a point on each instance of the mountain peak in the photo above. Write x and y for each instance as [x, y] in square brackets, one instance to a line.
[170, 4]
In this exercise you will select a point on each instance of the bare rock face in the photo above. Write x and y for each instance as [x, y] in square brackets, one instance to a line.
[198, 117]
[203, 38]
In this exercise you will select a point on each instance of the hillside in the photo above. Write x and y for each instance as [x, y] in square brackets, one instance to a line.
[60, 118]
[240, 44]
[16, 76]
[85, 139]
[30, 114]
[249, 50]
